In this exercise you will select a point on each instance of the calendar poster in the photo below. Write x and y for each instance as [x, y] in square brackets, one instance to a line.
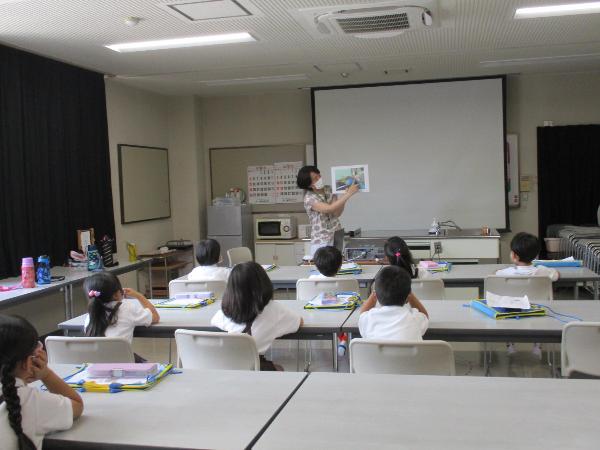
[261, 185]
[286, 189]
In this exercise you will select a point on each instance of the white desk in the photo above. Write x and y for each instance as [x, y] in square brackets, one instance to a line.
[285, 277]
[315, 322]
[466, 275]
[72, 277]
[349, 411]
[450, 320]
[191, 410]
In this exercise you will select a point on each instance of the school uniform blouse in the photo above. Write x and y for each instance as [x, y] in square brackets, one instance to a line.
[529, 271]
[130, 315]
[323, 225]
[209, 273]
[274, 321]
[41, 413]
[393, 322]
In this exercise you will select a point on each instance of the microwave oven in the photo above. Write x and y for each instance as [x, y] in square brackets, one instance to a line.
[275, 228]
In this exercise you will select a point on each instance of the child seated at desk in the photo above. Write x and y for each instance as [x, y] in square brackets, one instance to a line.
[208, 255]
[398, 254]
[401, 315]
[328, 260]
[110, 313]
[524, 248]
[27, 414]
[247, 308]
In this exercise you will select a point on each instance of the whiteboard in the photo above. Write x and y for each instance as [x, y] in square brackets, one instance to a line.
[143, 183]
[434, 149]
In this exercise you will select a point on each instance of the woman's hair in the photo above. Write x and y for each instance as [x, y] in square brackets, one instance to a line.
[248, 291]
[18, 340]
[208, 252]
[399, 254]
[303, 180]
[100, 288]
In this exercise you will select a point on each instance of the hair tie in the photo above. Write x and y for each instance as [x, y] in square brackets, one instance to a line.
[398, 254]
[93, 293]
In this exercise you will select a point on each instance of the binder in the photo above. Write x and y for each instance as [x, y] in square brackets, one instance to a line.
[507, 313]
[83, 382]
[346, 300]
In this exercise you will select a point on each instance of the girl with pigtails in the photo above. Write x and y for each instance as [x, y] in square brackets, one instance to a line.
[27, 414]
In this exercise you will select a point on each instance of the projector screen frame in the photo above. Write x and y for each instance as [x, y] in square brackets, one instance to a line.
[502, 77]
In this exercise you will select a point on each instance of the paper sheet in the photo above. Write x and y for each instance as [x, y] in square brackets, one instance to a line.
[505, 301]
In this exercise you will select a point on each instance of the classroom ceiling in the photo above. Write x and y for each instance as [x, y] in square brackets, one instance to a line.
[465, 34]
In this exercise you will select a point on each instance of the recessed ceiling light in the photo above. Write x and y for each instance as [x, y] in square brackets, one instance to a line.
[256, 80]
[196, 41]
[558, 10]
[541, 60]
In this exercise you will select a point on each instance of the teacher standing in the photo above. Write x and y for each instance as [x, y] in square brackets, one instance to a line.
[323, 208]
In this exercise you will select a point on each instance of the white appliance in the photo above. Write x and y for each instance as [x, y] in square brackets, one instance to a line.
[275, 228]
[230, 226]
[304, 231]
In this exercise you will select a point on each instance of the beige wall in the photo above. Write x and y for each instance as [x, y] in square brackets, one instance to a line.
[140, 118]
[565, 99]
[190, 126]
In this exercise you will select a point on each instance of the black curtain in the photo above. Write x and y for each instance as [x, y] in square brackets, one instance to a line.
[568, 175]
[54, 158]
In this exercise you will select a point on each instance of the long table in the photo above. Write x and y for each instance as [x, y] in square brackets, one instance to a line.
[315, 322]
[269, 410]
[451, 320]
[72, 277]
[473, 275]
[436, 412]
[454, 320]
[190, 410]
[285, 277]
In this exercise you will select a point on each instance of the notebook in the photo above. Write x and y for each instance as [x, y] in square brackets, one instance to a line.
[507, 313]
[567, 262]
[82, 380]
[334, 300]
[187, 300]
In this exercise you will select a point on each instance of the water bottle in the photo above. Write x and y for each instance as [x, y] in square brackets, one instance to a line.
[94, 259]
[342, 344]
[43, 270]
[27, 273]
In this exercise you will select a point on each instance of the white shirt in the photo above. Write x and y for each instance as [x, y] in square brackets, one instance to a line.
[393, 322]
[206, 273]
[41, 413]
[529, 271]
[130, 315]
[274, 321]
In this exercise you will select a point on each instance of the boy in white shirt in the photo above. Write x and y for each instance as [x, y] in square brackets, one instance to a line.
[208, 255]
[524, 248]
[401, 315]
[328, 260]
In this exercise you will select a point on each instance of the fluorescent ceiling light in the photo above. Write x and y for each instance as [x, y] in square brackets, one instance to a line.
[255, 80]
[558, 10]
[541, 60]
[196, 41]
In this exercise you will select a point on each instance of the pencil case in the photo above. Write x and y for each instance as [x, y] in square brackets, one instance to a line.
[122, 370]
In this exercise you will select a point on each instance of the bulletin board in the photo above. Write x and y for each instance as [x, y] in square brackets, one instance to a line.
[229, 168]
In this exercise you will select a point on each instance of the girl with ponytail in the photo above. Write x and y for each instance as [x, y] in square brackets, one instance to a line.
[26, 413]
[110, 313]
[398, 254]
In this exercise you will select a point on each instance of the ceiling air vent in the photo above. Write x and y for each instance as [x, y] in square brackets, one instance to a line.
[369, 21]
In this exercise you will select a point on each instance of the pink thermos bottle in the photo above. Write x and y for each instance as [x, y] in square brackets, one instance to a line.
[27, 273]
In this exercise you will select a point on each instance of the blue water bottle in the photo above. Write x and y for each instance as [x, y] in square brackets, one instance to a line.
[94, 259]
[43, 270]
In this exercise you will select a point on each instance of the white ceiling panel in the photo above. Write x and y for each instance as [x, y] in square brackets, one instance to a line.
[468, 31]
